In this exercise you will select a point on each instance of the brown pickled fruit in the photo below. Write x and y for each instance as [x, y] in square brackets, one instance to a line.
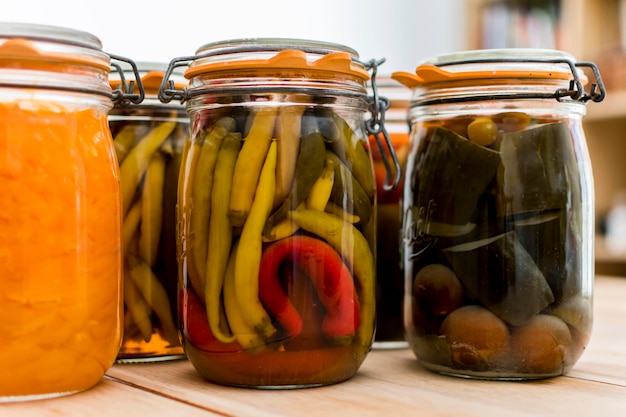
[437, 290]
[478, 339]
[541, 345]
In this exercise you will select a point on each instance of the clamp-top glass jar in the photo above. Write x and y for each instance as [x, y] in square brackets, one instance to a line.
[276, 213]
[60, 223]
[499, 213]
[389, 271]
[149, 139]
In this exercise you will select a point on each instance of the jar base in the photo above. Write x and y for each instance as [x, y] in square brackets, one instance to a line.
[35, 397]
[149, 359]
[390, 344]
[490, 375]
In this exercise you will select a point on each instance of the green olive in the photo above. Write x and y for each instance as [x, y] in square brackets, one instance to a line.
[482, 131]
[512, 121]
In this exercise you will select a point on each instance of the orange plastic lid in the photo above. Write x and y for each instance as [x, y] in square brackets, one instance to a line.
[20, 52]
[523, 64]
[335, 62]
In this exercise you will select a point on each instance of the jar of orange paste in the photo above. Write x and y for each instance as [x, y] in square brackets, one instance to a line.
[60, 223]
[389, 270]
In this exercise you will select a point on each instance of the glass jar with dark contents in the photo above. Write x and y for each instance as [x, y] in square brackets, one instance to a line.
[499, 213]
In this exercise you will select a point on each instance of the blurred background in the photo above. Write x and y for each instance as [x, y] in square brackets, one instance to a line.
[405, 32]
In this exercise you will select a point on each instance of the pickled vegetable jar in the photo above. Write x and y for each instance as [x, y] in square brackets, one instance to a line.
[389, 270]
[499, 213]
[149, 139]
[60, 223]
[277, 214]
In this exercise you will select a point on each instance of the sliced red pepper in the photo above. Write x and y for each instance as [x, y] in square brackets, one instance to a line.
[196, 325]
[330, 276]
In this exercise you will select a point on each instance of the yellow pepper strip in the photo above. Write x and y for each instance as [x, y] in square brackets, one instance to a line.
[137, 307]
[334, 209]
[188, 164]
[283, 229]
[320, 192]
[154, 293]
[201, 192]
[130, 225]
[250, 247]
[288, 142]
[243, 333]
[152, 209]
[316, 200]
[220, 234]
[355, 250]
[249, 164]
[124, 140]
[137, 160]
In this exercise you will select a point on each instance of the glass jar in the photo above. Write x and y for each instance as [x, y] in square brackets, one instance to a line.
[498, 214]
[276, 212]
[60, 223]
[149, 139]
[389, 270]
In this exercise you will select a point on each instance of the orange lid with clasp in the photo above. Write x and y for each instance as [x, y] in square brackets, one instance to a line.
[250, 55]
[490, 65]
[49, 48]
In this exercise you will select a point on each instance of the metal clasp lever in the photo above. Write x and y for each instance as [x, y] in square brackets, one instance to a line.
[125, 94]
[167, 90]
[376, 127]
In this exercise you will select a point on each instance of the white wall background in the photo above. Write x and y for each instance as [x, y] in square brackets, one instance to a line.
[402, 31]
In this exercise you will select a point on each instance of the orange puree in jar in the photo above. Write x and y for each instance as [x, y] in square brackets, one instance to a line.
[60, 258]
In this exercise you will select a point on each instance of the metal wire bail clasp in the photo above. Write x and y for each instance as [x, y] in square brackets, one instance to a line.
[376, 127]
[167, 90]
[125, 93]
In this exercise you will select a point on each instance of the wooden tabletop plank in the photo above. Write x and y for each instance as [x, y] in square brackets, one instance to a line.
[108, 398]
[394, 383]
[389, 383]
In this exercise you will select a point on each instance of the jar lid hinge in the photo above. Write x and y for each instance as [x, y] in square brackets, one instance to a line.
[125, 94]
[376, 127]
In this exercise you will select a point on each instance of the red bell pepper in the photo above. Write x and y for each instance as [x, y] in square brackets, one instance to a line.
[330, 276]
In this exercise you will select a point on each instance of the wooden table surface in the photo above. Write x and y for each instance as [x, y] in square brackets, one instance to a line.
[390, 383]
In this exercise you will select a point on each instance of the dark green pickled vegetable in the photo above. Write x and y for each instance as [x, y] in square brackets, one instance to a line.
[533, 176]
[326, 123]
[453, 174]
[309, 167]
[351, 149]
[308, 124]
[347, 191]
[501, 274]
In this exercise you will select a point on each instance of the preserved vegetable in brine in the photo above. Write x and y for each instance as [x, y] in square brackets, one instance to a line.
[149, 138]
[277, 213]
[282, 286]
[493, 218]
[498, 214]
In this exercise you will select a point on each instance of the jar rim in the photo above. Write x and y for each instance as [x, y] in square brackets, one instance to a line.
[50, 33]
[275, 44]
[505, 63]
[284, 54]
